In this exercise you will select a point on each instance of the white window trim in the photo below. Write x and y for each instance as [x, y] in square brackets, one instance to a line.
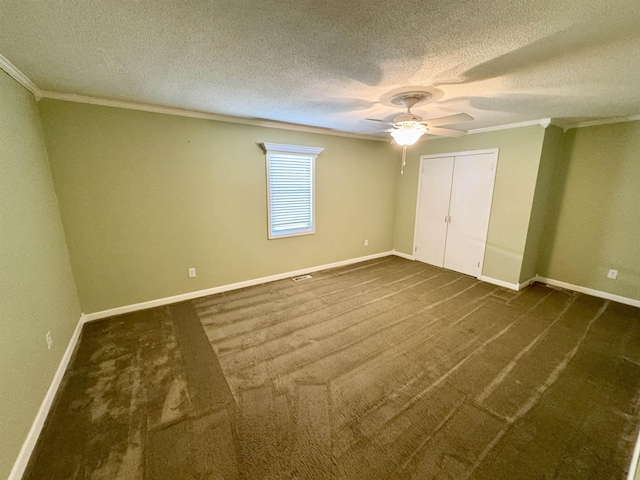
[282, 149]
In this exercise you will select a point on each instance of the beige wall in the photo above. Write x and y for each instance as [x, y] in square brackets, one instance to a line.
[546, 173]
[515, 183]
[594, 222]
[146, 196]
[37, 293]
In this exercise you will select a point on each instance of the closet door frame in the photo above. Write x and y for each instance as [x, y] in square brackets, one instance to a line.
[424, 158]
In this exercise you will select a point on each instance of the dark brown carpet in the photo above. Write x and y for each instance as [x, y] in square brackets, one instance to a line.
[388, 369]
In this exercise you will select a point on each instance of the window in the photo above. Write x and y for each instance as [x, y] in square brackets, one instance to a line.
[290, 189]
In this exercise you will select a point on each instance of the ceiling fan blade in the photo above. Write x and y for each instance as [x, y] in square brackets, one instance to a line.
[376, 131]
[448, 120]
[445, 132]
[379, 121]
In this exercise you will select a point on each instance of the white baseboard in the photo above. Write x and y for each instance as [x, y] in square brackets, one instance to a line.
[224, 288]
[403, 255]
[526, 283]
[634, 471]
[511, 286]
[29, 444]
[589, 291]
[558, 283]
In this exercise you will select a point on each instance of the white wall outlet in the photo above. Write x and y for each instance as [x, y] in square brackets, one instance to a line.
[366, 243]
[613, 274]
[49, 340]
[192, 272]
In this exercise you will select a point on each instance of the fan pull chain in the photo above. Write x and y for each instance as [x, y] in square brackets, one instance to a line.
[404, 157]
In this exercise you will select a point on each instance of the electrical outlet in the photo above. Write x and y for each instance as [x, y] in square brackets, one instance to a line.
[49, 340]
[366, 243]
[613, 274]
[192, 272]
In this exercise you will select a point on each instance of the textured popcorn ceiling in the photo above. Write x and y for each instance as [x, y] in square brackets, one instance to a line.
[328, 63]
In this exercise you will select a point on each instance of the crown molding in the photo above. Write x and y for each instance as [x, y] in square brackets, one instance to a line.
[23, 80]
[605, 121]
[543, 122]
[19, 77]
[256, 122]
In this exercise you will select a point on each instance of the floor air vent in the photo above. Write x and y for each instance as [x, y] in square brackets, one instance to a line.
[301, 277]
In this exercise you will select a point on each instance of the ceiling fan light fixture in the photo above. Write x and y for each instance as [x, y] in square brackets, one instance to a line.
[405, 135]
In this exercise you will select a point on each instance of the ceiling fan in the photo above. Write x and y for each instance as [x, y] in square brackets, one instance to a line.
[407, 128]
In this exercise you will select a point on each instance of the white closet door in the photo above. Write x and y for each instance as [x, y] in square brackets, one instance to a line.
[435, 188]
[471, 195]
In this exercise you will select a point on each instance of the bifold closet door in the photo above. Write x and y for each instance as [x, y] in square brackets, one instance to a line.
[435, 189]
[470, 206]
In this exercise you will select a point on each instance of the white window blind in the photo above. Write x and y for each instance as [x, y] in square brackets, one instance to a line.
[290, 189]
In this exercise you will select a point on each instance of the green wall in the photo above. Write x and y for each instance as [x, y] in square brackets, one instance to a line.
[594, 220]
[546, 173]
[37, 292]
[145, 196]
[516, 177]
[142, 197]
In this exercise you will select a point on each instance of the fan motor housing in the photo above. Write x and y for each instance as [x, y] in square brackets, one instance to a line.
[407, 117]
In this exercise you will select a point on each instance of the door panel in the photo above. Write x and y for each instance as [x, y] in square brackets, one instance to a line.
[471, 195]
[433, 208]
